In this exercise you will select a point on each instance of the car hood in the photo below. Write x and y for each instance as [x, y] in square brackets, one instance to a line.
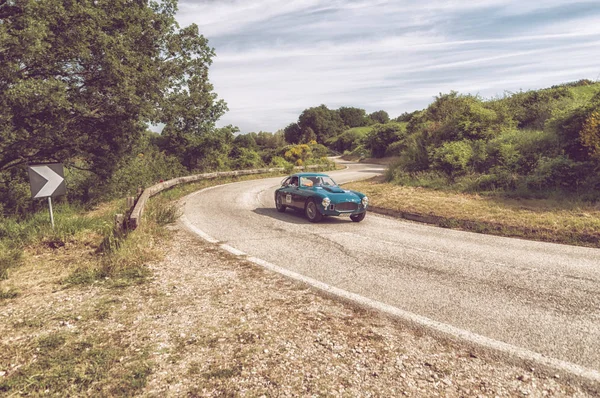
[337, 194]
[332, 189]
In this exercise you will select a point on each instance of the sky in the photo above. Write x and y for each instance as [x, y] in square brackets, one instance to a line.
[275, 58]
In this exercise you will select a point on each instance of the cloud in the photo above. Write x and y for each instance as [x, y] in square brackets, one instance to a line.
[275, 59]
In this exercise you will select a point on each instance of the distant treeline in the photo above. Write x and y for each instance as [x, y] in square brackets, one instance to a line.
[532, 143]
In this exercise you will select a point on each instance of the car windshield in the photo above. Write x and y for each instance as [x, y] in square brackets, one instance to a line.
[317, 181]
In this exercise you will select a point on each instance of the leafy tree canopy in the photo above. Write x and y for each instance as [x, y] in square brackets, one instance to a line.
[353, 117]
[323, 122]
[380, 117]
[81, 80]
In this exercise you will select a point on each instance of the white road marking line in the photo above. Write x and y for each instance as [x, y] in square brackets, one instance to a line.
[198, 231]
[232, 250]
[552, 365]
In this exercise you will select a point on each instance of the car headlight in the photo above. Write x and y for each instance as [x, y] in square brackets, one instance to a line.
[326, 202]
[365, 201]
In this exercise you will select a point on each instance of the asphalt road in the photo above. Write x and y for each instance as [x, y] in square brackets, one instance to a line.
[539, 296]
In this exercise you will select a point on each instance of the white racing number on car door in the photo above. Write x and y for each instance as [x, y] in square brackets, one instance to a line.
[288, 198]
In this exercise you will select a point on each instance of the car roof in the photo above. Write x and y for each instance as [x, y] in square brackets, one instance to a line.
[310, 175]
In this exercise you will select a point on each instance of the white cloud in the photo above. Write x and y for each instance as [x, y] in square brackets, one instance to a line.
[275, 59]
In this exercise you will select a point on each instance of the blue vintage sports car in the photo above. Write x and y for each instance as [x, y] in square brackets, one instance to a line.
[317, 195]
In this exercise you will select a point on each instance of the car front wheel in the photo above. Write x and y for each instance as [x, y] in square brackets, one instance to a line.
[358, 217]
[279, 203]
[312, 212]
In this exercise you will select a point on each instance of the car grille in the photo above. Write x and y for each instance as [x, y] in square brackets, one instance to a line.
[346, 206]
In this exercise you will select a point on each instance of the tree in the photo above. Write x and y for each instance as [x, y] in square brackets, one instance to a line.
[353, 117]
[308, 135]
[292, 133]
[245, 141]
[79, 81]
[380, 117]
[406, 116]
[325, 123]
[270, 140]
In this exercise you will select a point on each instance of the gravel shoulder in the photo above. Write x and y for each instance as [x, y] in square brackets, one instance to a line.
[210, 324]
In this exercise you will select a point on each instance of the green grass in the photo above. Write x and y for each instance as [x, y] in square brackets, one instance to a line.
[72, 225]
[360, 130]
[124, 257]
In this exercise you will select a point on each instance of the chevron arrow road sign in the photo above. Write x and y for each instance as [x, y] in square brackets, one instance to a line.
[47, 180]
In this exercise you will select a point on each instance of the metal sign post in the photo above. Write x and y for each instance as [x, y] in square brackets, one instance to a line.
[51, 214]
[47, 181]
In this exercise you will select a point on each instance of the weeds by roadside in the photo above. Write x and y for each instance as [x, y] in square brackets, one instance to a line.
[87, 242]
[551, 220]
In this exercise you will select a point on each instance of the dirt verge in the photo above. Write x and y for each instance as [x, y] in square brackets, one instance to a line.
[210, 324]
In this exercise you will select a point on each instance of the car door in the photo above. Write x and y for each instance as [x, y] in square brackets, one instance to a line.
[292, 193]
[302, 194]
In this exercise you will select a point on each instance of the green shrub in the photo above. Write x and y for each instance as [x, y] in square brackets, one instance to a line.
[382, 136]
[348, 140]
[427, 179]
[278, 161]
[359, 152]
[15, 195]
[532, 109]
[243, 158]
[415, 157]
[453, 158]
[560, 172]
[396, 148]
[499, 178]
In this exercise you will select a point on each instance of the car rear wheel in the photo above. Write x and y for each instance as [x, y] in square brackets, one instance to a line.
[312, 211]
[358, 217]
[279, 203]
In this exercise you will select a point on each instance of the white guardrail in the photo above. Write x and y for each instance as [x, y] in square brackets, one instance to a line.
[135, 218]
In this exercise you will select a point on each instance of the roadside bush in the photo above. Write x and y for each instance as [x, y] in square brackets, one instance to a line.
[142, 170]
[415, 157]
[590, 134]
[163, 211]
[243, 158]
[579, 132]
[360, 152]
[318, 151]
[453, 158]
[559, 172]
[15, 195]
[296, 154]
[396, 148]
[278, 161]
[531, 109]
[498, 178]
[348, 140]
[382, 136]
[427, 179]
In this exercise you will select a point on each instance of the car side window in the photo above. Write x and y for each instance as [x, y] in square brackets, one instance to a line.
[294, 181]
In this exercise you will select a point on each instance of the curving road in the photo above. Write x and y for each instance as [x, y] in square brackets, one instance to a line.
[540, 296]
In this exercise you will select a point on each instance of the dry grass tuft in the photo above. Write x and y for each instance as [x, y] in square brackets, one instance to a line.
[539, 219]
